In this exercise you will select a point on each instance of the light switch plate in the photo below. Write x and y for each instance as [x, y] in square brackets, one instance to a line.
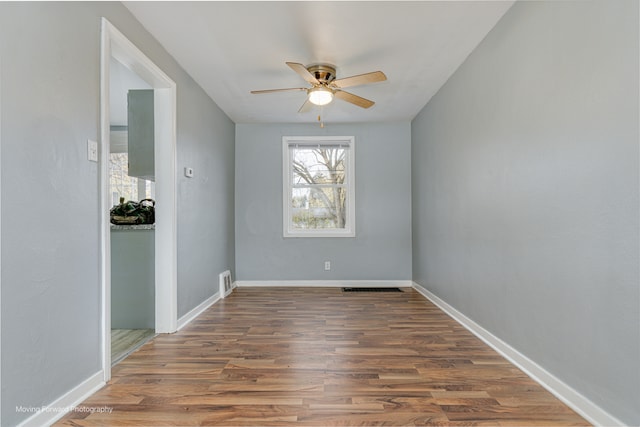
[92, 150]
[188, 172]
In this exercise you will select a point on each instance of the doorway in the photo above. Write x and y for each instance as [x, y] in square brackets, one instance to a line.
[131, 179]
[116, 48]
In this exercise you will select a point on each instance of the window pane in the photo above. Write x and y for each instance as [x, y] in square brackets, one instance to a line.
[123, 185]
[318, 165]
[318, 186]
[318, 208]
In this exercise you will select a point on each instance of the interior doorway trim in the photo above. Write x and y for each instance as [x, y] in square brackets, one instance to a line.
[115, 45]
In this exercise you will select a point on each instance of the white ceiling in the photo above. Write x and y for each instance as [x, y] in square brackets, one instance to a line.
[231, 48]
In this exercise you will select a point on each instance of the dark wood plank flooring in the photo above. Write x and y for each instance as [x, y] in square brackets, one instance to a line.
[318, 356]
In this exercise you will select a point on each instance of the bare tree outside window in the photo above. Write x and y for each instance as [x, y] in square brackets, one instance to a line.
[319, 192]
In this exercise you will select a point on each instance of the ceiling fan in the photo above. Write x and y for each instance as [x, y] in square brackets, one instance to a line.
[325, 86]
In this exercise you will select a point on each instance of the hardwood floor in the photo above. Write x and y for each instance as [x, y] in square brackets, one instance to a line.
[126, 341]
[318, 356]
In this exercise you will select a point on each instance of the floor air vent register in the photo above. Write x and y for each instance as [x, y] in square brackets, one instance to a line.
[225, 283]
[371, 290]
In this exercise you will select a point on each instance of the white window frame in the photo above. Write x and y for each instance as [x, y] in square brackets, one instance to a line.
[287, 176]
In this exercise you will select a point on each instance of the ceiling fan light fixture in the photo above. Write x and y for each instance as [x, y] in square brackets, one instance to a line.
[320, 95]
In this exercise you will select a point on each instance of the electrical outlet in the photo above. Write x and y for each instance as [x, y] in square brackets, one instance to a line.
[327, 265]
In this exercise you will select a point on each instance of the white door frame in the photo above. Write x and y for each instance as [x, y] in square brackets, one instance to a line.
[115, 45]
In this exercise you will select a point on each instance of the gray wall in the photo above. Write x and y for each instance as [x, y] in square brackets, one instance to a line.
[206, 241]
[133, 287]
[50, 220]
[381, 249]
[525, 193]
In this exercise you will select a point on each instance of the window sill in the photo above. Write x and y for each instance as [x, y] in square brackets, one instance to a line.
[115, 227]
[329, 234]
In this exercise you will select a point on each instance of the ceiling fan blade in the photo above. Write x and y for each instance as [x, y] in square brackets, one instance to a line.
[303, 72]
[361, 79]
[307, 106]
[354, 99]
[277, 90]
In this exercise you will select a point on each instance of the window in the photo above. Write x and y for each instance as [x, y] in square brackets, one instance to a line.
[318, 178]
[123, 185]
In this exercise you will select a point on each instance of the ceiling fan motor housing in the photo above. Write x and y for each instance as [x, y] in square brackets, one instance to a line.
[324, 73]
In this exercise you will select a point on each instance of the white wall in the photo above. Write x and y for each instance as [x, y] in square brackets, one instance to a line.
[525, 193]
[50, 194]
[381, 249]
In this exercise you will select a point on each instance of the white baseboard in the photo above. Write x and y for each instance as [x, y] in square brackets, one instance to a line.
[576, 401]
[48, 414]
[196, 311]
[326, 283]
